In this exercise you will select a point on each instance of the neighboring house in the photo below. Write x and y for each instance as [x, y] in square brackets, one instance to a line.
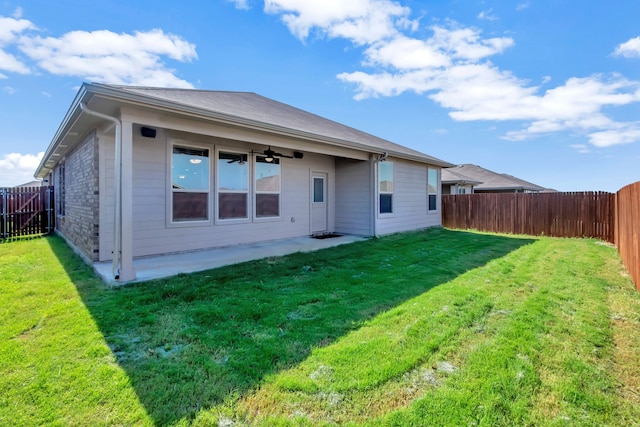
[30, 184]
[492, 182]
[457, 183]
[145, 171]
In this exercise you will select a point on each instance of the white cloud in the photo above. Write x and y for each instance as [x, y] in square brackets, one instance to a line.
[106, 57]
[100, 56]
[10, 90]
[17, 13]
[240, 4]
[620, 133]
[10, 30]
[581, 148]
[487, 15]
[453, 68]
[16, 168]
[405, 53]
[629, 49]
[361, 21]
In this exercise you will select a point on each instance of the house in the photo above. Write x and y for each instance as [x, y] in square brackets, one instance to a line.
[30, 184]
[144, 171]
[457, 183]
[491, 182]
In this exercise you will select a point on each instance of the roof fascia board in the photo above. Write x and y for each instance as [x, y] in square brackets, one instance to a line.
[67, 123]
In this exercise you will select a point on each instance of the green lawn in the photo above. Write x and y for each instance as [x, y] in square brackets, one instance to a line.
[430, 328]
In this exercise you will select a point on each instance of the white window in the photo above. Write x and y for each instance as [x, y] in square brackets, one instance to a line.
[432, 189]
[190, 184]
[233, 185]
[267, 187]
[385, 187]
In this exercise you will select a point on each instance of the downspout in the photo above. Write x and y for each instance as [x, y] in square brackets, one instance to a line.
[117, 220]
[374, 194]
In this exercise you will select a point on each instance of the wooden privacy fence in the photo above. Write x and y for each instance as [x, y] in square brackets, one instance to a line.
[26, 211]
[628, 229]
[576, 214]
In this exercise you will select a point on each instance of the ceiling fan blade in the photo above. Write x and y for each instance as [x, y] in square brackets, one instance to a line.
[240, 159]
[282, 155]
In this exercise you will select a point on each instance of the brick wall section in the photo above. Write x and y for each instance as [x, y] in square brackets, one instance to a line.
[80, 223]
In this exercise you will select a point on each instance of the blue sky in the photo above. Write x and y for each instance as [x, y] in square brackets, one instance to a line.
[548, 91]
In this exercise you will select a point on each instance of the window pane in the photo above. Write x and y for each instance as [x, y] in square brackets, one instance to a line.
[190, 206]
[190, 168]
[432, 202]
[233, 172]
[267, 175]
[232, 205]
[385, 177]
[386, 203]
[267, 205]
[318, 190]
[432, 180]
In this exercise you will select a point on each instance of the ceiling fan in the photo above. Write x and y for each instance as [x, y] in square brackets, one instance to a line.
[270, 155]
[241, 159]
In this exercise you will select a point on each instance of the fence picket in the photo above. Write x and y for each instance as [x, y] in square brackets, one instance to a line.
[585, 214]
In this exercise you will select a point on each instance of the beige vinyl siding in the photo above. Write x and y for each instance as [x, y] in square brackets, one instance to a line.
[409, 201]
[354, 197]
[152, 228]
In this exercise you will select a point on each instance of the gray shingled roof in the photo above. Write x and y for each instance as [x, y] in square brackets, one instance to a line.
[492, 180]
[252, 108]
[451, 177]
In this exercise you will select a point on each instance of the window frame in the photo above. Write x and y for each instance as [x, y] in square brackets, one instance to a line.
[386, 192]
[218, 191]
[256, 192]
[436, 194]
[171, 191]
[62, 192]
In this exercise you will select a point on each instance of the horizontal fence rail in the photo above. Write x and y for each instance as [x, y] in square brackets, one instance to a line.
[628, 229]
[26, 211]
[575, 214]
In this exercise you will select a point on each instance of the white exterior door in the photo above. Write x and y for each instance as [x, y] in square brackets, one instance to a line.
[319, 209]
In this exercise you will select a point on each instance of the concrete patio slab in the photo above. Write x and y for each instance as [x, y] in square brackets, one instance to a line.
[157, 267]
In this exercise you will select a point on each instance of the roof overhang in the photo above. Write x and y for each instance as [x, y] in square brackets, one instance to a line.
[109, 100]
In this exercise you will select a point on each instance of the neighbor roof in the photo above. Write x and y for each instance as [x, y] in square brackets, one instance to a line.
[491, 180]
[241, 109]
[451, 177]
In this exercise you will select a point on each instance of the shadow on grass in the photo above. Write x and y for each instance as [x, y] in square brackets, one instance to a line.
[194, 341]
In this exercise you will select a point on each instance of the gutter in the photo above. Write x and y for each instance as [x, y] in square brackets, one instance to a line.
[117, 220]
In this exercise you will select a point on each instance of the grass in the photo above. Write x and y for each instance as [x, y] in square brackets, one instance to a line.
[429, 328]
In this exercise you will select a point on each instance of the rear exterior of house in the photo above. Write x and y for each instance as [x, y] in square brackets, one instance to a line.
[144, 171]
